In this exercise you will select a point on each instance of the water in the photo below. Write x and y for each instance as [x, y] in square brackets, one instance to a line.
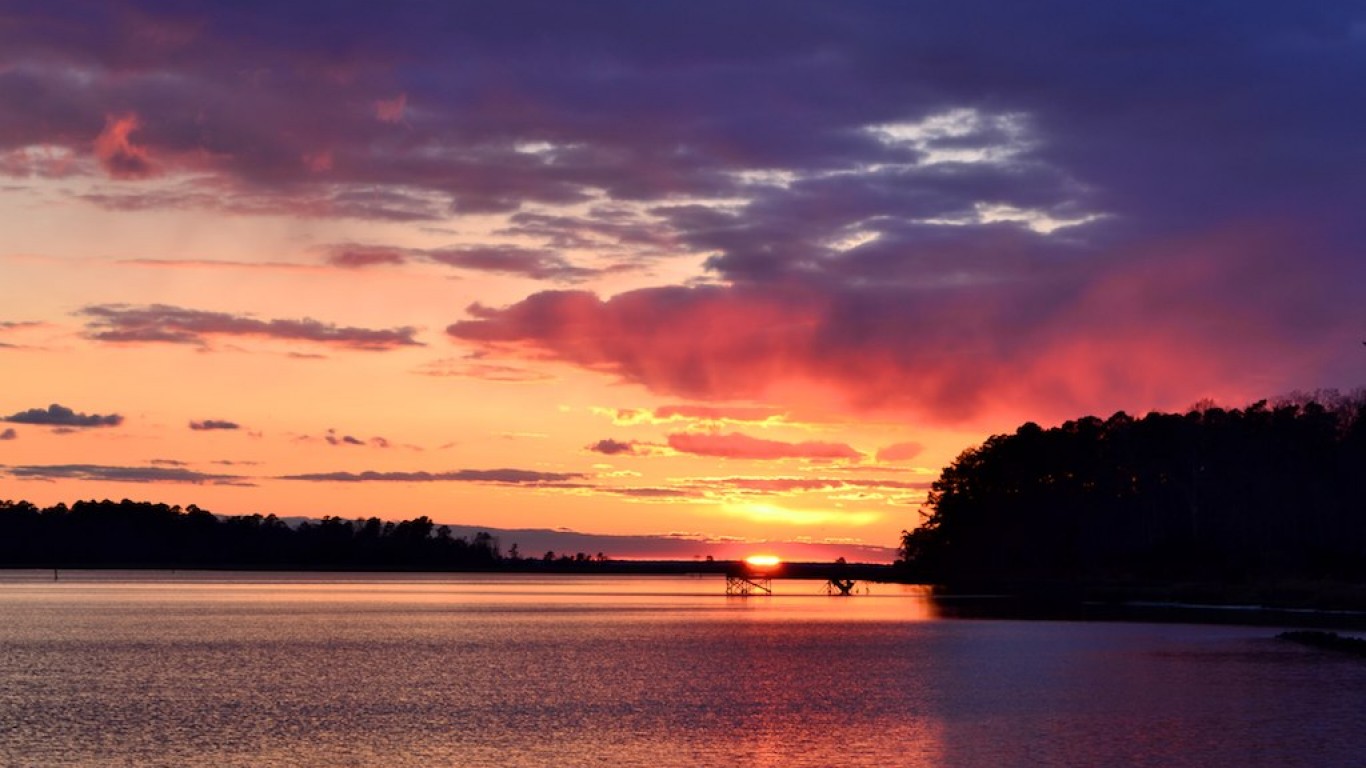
[272, 670]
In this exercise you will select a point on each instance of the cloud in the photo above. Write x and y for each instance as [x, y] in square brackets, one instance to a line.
[161, 323]
[717, 413]
[694, 413]
[356, 257]
[534, 263]
[972, 223]
[391, 110]
[476, 366]
[333, 438]
[610, 447]
[213, 424]
[494, 476]
[512, 260]
[900, 452]
[60, 416]
[738, 446]
[9, 434]
[808, 484]
[1149, 334]
[117, 474]
[651, 493]
[265, 266]
[121, 158]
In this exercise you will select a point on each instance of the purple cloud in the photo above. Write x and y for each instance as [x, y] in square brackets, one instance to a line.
[534, 263]
[9, 434]
[359, 256]
[213, 424]
[60, 416]
[160, 323]
[100, 473]
[495, 476]
[610, 447]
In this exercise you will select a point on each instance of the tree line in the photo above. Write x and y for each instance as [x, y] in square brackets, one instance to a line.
[1265, 494]
[131, 534]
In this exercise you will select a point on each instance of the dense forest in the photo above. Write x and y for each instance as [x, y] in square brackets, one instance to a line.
[141, 534]
[1268, 494]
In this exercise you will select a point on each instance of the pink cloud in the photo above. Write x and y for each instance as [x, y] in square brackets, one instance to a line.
[1154, 330]
[738, 446]
[391, 110]
[121, 158]
[319, 161]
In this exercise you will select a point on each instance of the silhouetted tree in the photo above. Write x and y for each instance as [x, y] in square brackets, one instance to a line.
[1272, 491]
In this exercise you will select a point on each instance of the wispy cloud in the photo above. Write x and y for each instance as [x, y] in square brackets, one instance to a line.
[60, 416]
[477, 365]
[495, 476]
[121, 474]
[739, 446]
[534, 263]
[161, 323]
[9, 434]
[900, 451]
[335, 438]
[702, 414]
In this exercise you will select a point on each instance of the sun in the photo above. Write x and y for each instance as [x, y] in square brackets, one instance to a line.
[763, 562]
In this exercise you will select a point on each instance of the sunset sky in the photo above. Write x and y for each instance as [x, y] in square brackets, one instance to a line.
[735, 274]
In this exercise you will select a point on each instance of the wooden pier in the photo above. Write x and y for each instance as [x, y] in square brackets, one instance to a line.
[748, 578]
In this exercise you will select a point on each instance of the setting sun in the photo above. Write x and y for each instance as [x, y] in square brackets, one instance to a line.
[763, 561]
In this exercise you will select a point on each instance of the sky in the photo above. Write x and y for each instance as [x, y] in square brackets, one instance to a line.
[703, 277]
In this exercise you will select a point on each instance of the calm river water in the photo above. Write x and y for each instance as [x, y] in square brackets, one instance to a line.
[269, 670]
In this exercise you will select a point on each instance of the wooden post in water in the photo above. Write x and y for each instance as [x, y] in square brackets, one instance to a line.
[838, 586]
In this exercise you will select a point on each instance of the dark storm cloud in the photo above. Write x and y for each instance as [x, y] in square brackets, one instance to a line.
[60, 416]
[160, 323]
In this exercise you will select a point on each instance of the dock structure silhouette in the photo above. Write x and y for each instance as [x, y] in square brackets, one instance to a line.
[747, 579]
[743, 580]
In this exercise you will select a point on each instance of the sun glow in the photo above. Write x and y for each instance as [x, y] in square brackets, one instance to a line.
[763, 562]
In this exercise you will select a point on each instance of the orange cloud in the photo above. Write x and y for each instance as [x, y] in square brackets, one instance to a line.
[900, 452]
[121, 158]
